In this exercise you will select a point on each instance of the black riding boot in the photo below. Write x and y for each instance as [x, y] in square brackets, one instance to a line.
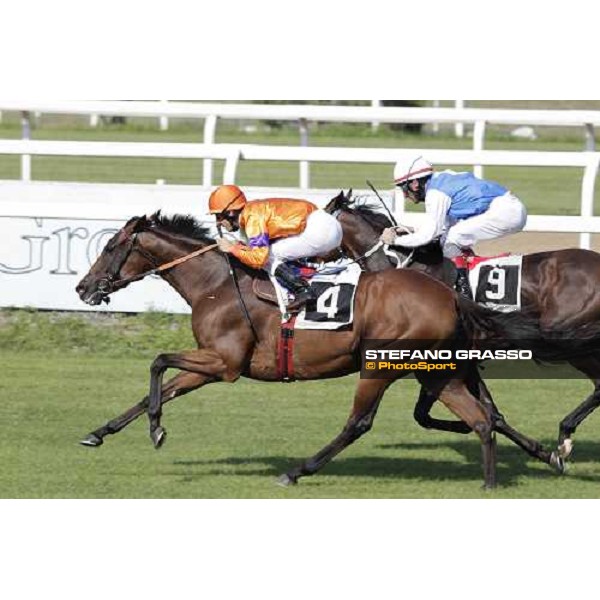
[462, 283]
[289, 278]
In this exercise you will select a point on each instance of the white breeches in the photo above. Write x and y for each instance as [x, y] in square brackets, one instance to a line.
[323, 233]
[505, 215]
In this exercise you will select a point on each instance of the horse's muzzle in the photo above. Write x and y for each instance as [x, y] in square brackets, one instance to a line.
[94, 294]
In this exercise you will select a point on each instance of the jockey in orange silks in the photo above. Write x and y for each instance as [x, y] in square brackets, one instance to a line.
[277, 230]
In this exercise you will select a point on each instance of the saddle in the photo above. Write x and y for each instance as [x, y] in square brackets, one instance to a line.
[264, 290]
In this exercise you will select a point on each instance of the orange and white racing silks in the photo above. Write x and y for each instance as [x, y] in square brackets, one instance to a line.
[265, 221]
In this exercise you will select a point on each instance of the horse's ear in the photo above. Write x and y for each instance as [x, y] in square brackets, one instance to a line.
[349, 195]
[154, 217]
[136, 224]
[152, 220]
[335, 203]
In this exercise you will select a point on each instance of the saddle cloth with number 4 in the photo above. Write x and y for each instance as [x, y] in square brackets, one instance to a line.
[335, 290]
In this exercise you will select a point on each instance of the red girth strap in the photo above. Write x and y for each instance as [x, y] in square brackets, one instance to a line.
[285, 351]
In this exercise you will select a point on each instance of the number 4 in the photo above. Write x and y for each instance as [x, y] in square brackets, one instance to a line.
[331, 295]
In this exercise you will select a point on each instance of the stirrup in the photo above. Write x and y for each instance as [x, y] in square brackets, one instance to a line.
[462, 284]
[300, 300]
[287, 276]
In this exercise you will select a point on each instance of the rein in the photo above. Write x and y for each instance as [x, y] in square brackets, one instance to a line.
[237, 286]
[388, 252]
[118, 284]
[400, 264]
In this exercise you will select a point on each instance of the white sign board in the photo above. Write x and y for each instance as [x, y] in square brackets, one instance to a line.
[51, 233]
[42, 260]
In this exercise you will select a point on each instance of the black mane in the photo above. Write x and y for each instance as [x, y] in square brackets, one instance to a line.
[184, 225]
[372, 216]
[359, 206]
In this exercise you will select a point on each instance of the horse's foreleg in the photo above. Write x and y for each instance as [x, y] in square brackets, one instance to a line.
[206, 363]
[177, 386]
[366, 402]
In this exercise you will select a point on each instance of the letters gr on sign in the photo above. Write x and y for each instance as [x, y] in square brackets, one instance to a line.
[65, 250]
[41, 262]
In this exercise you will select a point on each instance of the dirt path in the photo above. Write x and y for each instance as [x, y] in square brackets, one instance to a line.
[523, 243]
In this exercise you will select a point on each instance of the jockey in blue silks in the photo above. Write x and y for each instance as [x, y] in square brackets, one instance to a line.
[460, 209]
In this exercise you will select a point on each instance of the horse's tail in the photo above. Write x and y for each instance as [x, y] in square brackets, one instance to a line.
[517, 330]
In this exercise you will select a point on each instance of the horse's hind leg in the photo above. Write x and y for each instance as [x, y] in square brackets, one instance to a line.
[457, 398]
[422, 415]
[499, 423]
[570, 423]
[366, 402]
[177, 386]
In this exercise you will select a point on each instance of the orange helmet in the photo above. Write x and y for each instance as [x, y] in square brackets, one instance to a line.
[226, 197]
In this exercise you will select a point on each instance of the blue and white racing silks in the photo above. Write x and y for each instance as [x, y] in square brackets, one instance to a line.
[469, 195]
[457, 196]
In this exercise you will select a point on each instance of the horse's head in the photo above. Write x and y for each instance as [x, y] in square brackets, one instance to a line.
[338, 203]
[361, 225]
[117, 261]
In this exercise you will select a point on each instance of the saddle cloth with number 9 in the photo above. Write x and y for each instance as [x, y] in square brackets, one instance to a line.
[496, 283]
[334, 307]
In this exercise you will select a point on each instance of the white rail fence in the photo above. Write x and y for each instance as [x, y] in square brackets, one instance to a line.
[585, 224]
[305, 113]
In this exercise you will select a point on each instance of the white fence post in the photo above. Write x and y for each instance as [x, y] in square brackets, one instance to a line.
[210, 127]
[304, 165]
[26, 135]
[590, 137]
[478, 138]
[435, 126]
[94, 120]
[587, 197]
[459, 128]
[375, 124]
[231, 164]
[164, 120]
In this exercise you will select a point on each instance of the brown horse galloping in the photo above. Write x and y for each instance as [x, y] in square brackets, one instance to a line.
[559, 288]
[391, 305]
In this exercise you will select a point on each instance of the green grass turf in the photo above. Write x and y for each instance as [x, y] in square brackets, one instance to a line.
[231, 441]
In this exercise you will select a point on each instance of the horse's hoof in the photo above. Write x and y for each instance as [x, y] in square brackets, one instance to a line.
[565, 449]
[286, 481]
[158, 437]
[92, 441]
[558, 462]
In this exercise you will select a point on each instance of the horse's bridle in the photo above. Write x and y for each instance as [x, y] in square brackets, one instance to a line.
[400, 264]
[111, 282]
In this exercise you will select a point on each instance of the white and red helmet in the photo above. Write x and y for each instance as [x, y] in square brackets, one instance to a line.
[412, 167]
